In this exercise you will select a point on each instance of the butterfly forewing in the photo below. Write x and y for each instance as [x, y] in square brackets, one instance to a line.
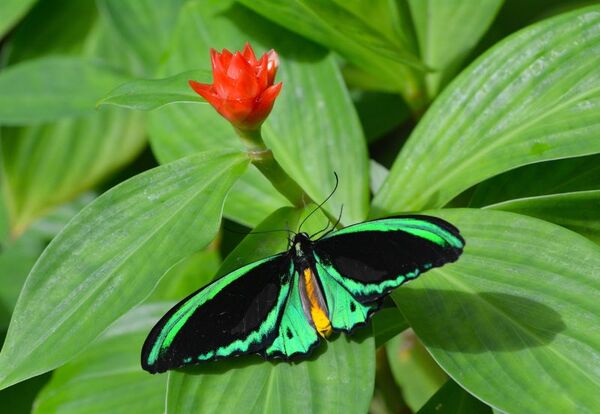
[370, 259]
[236, 314]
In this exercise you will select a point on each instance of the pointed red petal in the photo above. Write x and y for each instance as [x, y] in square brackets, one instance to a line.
[273, 65]
[245, 85]
[263, 106]
[248, 54]
[206, 91]
[226, 58]
[215, 60]
[262, 76]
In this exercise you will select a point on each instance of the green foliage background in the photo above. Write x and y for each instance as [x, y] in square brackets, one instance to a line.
[115, 178]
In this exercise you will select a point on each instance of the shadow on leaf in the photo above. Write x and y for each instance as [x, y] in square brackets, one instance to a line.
[478, 322]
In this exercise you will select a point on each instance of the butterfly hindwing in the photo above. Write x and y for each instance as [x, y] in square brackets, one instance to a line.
[370, 259]
[296, 335]
[345, 312]
[236, 314]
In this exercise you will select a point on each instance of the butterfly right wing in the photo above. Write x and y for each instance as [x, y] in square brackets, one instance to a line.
[239, 313]
[372, 258]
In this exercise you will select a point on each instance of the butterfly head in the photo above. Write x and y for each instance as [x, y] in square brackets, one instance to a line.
[301, 243]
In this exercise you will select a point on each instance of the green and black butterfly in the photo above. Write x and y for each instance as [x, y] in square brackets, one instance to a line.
[280, 306]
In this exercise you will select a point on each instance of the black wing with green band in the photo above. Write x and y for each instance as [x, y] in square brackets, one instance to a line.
[237, 314]
[370, 259]
[260, 308]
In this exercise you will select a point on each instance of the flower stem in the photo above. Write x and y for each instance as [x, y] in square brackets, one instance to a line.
[263, 159]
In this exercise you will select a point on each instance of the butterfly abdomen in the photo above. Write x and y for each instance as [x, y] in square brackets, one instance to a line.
[313, 303]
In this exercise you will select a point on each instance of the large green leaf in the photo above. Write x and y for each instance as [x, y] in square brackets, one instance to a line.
[339, 378]
[544, 178]
[447, 31]
[313, 120]
[107, 377]
[578, 211]
[154, 93]
[49, 88]
[110, 257]
[516, 314]
[144, 25]
[374, 41]
[188, 275]
[51, 30]
[452, 399]
[11, 11]
[50, 164]
[533, 97]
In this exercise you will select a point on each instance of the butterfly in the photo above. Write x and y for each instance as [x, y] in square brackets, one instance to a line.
[283, 305]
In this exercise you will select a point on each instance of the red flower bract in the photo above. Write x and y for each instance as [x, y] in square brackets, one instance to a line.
[242, 89]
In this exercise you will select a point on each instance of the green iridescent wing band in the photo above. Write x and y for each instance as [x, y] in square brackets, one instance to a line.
[236, 314]
[372, 258]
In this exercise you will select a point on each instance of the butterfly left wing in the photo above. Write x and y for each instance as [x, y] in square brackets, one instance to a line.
[236, 314]
[370, 259]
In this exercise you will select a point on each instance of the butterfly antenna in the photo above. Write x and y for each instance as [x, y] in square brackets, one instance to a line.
[337, 181]
[334, 226]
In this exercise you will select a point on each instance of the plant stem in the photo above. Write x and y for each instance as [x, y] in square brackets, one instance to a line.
[263, 159]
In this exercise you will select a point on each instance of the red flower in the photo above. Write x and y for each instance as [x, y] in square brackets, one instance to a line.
[242, 89]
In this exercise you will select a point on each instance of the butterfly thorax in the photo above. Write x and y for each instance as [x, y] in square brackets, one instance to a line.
[314, 304]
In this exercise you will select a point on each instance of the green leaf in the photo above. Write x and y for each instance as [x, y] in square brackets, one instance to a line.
[16, 260]
[578, 211]
[313, 120]
[386, 324]
[49, 88]
[151, 94]
[544, 178]
[51, 30]
[380, 113]
[4, 219]
[50, 164]
[415, 372]
[20, 397]
[188, 275]
[106, 377]
[340, 27]
[338, 378]
[17, 257]
[452, 399]
[532, 97]
[391, 20]
[144, 25]
[110, 257]
[517, 307]
[11, 11]
[175, 134]
[447, 31]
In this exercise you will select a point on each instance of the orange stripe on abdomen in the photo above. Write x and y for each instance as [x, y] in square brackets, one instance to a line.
[317, 313]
